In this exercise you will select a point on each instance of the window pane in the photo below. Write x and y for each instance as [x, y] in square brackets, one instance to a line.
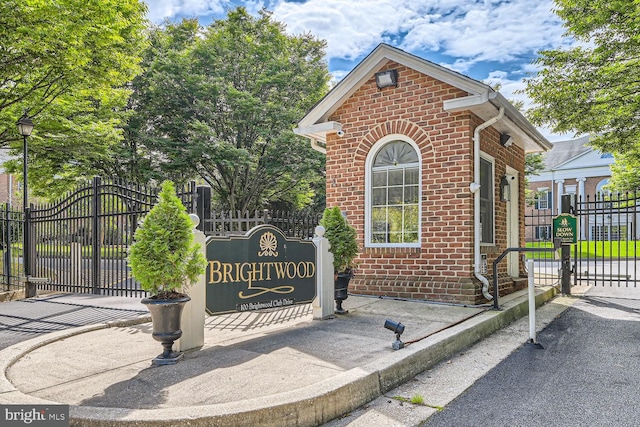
[411, 194]
[486, 175]
[411, 176]
[411, 218]
[396, 153]
[395, 195]
[379, 178]
[379, 196]
[411, 237]
[486, 200]
[396, 177]
[379, 215]
[379, 238]
[395, 218]
[379, 225]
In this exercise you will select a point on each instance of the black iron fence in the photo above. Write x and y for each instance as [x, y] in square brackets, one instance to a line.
[300, 224]
[11, 227]
[79, 242]
[608, 246]
[607, 251]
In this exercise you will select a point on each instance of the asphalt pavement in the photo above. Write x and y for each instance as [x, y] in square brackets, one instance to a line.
[24, 319]
[587, 372]
[267, 368]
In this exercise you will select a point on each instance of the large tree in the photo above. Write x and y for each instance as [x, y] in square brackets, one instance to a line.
[593, 87]
[66, 63]
[222, 106]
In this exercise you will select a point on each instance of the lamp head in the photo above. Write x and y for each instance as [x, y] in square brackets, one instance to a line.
[25, 125]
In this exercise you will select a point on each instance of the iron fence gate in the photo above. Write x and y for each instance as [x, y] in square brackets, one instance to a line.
[608, 237]
[79, 242]
[606, 253]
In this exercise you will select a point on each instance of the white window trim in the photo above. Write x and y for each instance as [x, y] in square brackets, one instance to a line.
[368, 193]
[491, 160]
[545, 192]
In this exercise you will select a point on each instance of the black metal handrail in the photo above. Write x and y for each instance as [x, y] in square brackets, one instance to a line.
[556, 246]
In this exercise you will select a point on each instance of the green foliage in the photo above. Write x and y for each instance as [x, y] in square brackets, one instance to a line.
[164, 256]
[341, 237]
[602, 249]
[66, 63]
[219, 103]
[625, 176]
[593, 87]
[533, 165]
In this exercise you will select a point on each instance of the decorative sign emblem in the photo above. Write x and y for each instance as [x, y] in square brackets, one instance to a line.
[268, 244]
[565, 229]
[261, 269]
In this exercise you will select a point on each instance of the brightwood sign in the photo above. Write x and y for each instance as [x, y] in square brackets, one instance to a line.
[262, 269]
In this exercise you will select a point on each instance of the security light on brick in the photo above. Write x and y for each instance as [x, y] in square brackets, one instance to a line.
[506, 140]
[387, 78]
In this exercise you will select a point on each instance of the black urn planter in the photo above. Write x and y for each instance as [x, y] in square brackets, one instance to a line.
[341, 287]
[166, 315]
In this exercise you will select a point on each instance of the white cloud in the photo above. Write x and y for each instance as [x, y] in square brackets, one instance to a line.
[470, 30]
[161, 9]
[351, 28]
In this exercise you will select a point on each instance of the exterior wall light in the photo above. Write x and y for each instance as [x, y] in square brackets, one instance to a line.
[387, 78]
[504, 189]
[506, 140]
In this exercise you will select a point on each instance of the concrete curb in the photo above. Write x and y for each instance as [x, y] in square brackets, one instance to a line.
[309, 406]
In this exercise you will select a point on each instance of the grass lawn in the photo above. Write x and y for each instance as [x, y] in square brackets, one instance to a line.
[48, 250]
[593, 250]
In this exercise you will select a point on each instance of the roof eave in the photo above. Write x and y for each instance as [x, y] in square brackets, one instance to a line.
[513, 123]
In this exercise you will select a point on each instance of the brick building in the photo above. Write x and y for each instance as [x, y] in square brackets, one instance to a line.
[422, 161]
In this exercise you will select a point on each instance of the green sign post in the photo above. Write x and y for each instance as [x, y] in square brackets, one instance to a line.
[565, 229]
[261, 269]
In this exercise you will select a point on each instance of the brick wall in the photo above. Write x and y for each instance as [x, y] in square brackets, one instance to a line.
[442, 268]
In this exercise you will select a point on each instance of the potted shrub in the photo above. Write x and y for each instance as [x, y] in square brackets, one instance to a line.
[164, 258]
[344, 247]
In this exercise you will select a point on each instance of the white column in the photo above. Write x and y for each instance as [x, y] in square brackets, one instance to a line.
[323, 306]
[560, 183]
[582, 225]
[193, 314]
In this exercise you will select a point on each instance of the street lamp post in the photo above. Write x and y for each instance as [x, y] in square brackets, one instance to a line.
[25, 127]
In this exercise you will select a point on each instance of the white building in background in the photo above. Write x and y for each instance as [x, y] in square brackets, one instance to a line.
[573, 167]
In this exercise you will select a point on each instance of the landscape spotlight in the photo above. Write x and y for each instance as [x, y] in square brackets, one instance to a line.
[397, 328]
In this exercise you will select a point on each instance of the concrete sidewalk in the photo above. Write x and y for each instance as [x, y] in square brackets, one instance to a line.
[268, 368]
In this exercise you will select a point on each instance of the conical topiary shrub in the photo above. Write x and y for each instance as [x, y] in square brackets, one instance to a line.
[164, 256]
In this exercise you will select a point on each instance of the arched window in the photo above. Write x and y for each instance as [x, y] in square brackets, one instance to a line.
[393, 193]
[600, 188]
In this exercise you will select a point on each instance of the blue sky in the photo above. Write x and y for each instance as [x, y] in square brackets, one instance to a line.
[494, 41]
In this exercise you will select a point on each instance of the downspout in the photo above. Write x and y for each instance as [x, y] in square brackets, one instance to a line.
[475, 189]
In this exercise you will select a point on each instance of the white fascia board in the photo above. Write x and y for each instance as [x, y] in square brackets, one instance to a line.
[597, 171]
[318, 131]
[467, 102]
